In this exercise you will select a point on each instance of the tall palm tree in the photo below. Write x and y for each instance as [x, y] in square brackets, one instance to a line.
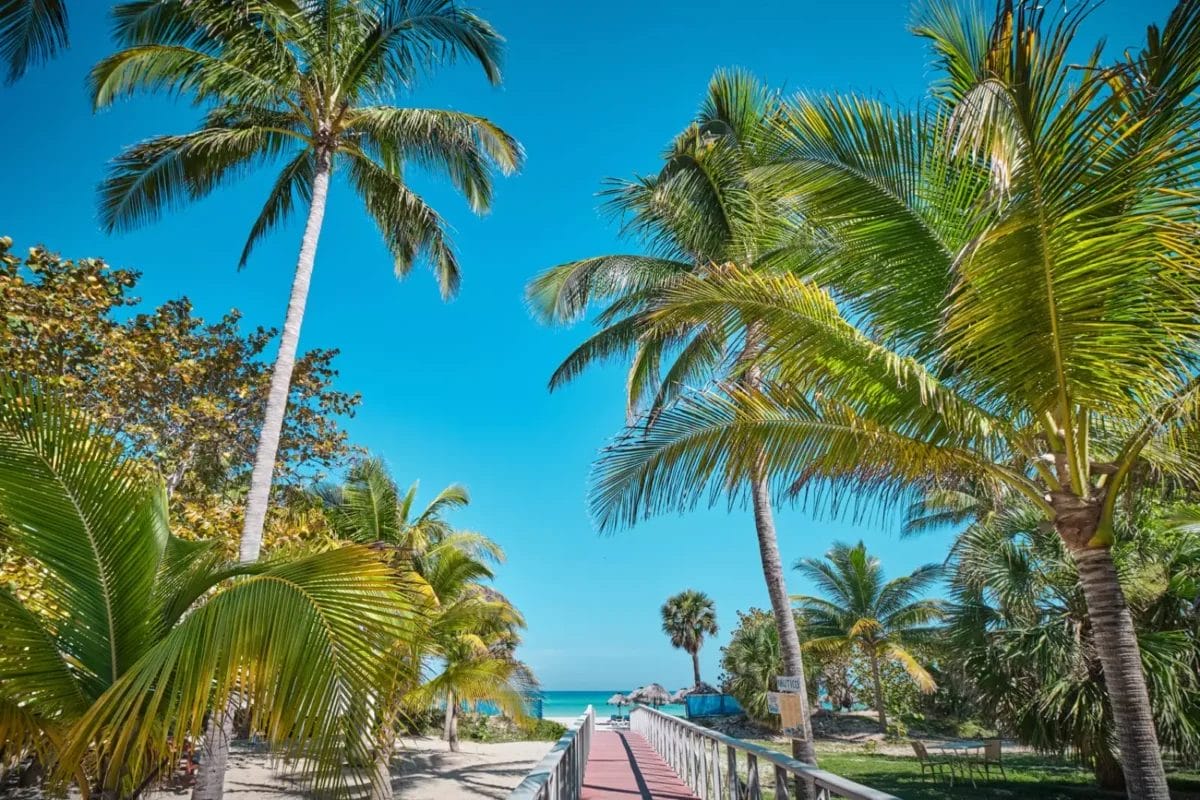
[302, 85]
[687, 618]
[860, 611]
[464, 650]
[698, 217]
[1015, 288]
[134, 635]
[1017, 625]
[31, 31]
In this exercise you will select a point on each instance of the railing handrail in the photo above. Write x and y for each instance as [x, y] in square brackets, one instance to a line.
[823, 779]
[539, 782]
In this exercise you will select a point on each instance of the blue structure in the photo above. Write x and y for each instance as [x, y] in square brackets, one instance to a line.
[712, 705]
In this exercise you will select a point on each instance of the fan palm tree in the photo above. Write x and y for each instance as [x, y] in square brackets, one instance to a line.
[697, 217]
[133, 635]
[31, 31]
[751, 661]
[687, 618]
[1015, 288]
[464, 651]
[301, 85]
[859, 611]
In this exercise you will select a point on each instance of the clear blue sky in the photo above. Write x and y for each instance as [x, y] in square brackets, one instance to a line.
[457, 392]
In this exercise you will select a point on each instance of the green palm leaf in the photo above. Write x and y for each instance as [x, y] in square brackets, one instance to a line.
[319, 623]
[86, 515]
[31, 31]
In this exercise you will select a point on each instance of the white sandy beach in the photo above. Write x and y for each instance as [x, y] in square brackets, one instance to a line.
[424, 770]
[566, 721]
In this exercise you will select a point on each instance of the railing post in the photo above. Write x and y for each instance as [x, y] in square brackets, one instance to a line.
[731, 754]
[753, 788]
[781, 784]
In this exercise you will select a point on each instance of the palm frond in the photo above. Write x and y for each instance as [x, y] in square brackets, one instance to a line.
[165, 172]
[297, 641]
[411, 229]
[89, 519]
[563, 294]
[464, 147]
[31, 31]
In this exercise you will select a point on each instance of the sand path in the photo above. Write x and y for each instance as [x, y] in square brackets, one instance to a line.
[423, 770]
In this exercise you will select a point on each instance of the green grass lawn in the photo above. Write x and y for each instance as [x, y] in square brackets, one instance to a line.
[1029, 776]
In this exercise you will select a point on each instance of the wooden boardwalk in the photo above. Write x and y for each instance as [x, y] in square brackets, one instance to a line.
[623, 766]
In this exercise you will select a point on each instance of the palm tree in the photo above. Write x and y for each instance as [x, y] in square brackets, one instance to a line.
[300, 84]
[133, 635]
[859, 611]
[697, 217]
[370, 508]
[464, 649]
[751, 661]
[468, 654]
[1017, 626]
[1010, 306]
[31, 31]
[687, 618]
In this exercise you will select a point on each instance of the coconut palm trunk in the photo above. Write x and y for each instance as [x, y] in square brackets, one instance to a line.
[696, 667]
[381, 786]
[210, 777]
[1120, 659]
[450, 731]
[385, 745]
[878, 686]
[772, 564]
[281, 375]
[781, 604]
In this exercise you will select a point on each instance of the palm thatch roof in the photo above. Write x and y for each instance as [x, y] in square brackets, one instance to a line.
[618, 700]
[654, 694]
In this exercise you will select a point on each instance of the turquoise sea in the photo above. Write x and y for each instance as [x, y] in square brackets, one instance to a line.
[573, 704]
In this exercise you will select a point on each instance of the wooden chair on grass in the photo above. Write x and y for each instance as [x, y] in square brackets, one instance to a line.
[992, 758]
[936, 766]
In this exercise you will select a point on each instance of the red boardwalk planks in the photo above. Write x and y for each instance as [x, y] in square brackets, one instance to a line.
[623, 766]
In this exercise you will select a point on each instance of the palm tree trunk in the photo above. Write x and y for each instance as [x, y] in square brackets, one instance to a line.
[772, 564]
[281, 375]
[695, 668]
[451, 729]
[879, 706]
[210, 777]
[381, 786]
[781, 605]
[1120, 659]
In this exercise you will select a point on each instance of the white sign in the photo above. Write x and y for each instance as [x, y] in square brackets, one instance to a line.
[789, 683]
[773, 702]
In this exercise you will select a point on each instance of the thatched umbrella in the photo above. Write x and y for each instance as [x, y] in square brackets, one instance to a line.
[653, 694]
[618, 700]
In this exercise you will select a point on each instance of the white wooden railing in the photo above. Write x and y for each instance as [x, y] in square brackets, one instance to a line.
[559, 776]
[695, 755]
